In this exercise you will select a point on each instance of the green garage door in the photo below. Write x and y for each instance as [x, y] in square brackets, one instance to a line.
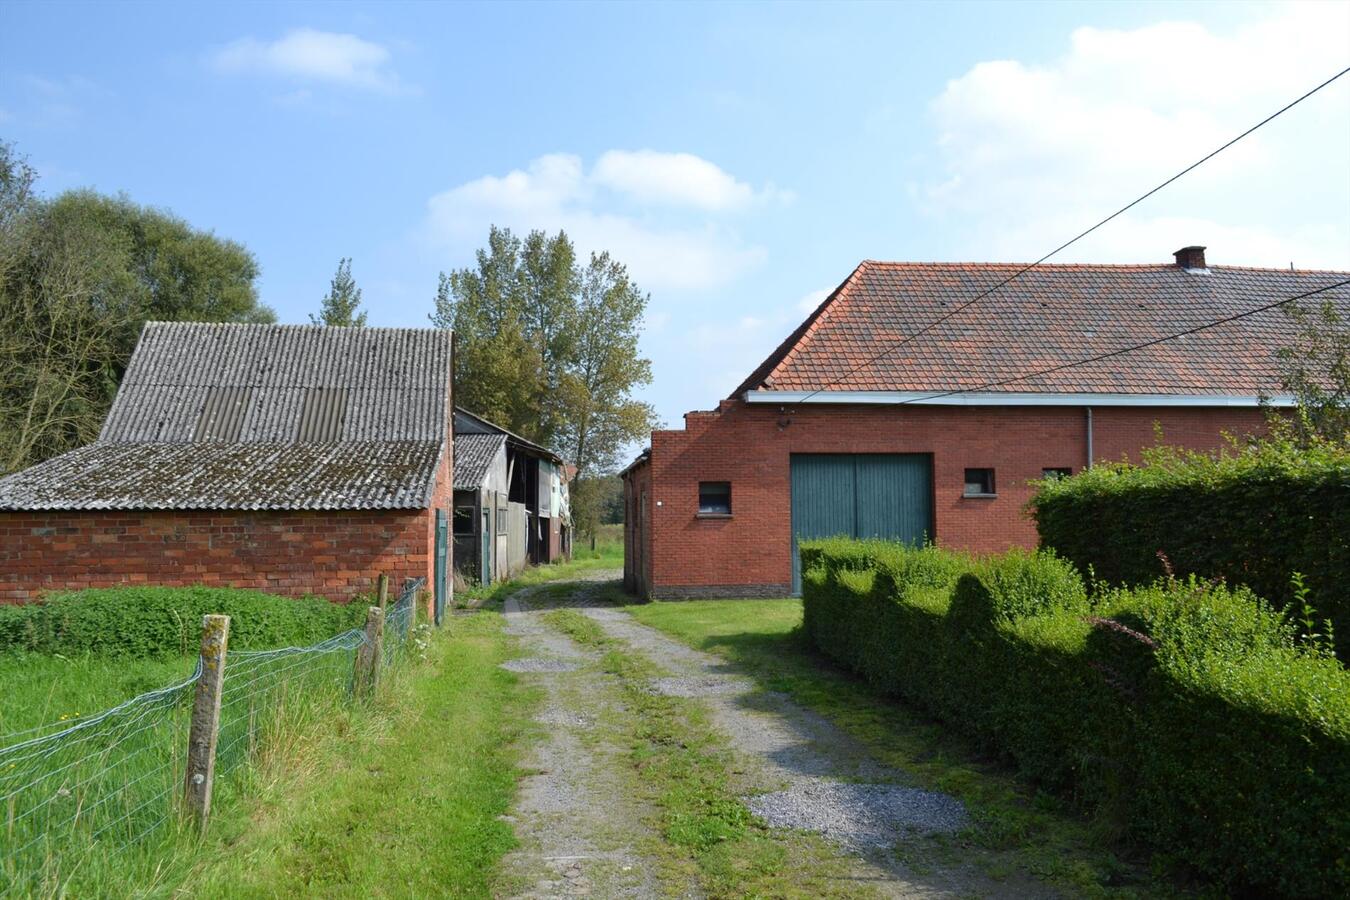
[860, 495]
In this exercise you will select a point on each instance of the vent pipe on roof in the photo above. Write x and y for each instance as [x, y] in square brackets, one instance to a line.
[1191, 257]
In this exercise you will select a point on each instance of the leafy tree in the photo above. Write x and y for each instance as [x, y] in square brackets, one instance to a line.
[79, 275]
[1316, 371]
[548, 348]
[342, 304]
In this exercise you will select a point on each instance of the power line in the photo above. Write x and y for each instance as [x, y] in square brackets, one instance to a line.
[1123, 350]
[1022, 271]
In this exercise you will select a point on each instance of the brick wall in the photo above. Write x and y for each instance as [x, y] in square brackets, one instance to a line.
[749, 446]
[331, 554]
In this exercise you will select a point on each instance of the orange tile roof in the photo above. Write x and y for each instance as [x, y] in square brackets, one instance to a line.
[1045, 317]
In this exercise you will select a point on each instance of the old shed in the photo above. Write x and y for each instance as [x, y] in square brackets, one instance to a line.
[296, 459]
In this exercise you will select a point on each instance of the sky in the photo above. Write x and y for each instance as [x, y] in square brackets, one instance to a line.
[740, 159]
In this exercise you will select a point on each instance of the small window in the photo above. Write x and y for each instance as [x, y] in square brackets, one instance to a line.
[979, 483]
[714, 498]
[1056, 472]
[464, 520]
[501, 520]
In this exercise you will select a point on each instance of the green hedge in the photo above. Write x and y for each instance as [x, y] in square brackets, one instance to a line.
[1252, 517]
[1183, 714]
[159, 621]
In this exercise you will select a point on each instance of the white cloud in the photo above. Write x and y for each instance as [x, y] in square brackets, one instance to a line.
[312, 55]
[677, 179]
[1034, 153]
[614, 208]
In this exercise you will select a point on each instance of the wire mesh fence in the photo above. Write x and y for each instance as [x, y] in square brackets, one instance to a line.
[112, 783]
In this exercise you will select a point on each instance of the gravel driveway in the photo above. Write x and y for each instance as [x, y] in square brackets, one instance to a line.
[796, 770]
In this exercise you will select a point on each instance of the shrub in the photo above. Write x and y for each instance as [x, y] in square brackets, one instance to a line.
[158, 621]
[1252, 517]
[1183, 713]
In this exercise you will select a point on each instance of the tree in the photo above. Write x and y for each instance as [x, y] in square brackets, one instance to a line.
[342, 304]
[513, 319]
[1316, 371]
[549, 349]
[79, 275]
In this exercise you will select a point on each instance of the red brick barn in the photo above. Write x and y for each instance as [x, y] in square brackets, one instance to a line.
[295, 459]
[889, 414]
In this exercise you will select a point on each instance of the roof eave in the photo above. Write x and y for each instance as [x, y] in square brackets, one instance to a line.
[940, 398]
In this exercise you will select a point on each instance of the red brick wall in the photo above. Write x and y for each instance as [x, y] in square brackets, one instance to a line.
[750, 553]
[331, 554]
[637, 556]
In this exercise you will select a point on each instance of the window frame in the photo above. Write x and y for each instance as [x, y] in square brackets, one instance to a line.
[503, 514]
[991, 483]
[714, 513]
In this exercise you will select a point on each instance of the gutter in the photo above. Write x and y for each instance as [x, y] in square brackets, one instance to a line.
[1001, 398]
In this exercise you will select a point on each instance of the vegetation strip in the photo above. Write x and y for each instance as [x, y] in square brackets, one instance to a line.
[687, 768]
[400, 799]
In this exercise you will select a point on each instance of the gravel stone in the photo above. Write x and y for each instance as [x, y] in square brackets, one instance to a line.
[538, 664]
[699, 687]
[859, 816]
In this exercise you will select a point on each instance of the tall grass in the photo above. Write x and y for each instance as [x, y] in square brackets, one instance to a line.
[90, 797]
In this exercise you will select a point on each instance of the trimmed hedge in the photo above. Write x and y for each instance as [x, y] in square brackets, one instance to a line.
[161, 621]
[1184, 714]
[1252, 517]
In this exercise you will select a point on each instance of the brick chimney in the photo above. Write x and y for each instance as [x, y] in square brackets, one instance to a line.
[1191, 257]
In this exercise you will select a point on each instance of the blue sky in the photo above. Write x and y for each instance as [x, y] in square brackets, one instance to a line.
[740, 158]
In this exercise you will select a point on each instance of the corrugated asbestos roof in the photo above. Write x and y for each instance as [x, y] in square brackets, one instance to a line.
[381, 383]
[215, 416]
[350, 475]
[474, 454]
[1048, 316]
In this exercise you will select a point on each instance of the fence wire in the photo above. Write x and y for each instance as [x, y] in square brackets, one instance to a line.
[114, 780]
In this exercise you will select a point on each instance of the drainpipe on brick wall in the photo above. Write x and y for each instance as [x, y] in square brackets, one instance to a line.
[1089, 436]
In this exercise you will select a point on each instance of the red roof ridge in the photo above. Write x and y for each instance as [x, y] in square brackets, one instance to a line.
[911, 264]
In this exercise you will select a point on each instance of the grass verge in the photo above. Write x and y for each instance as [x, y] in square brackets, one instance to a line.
[686, 770]
[1018, 829]
[400, 798]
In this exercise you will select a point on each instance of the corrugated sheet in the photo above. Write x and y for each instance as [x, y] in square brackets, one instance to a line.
[111, 475]
[396, 381]
[223, 417]
[323, 414]
[474, 454]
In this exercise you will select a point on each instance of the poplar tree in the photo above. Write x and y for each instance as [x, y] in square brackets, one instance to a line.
[342, 304]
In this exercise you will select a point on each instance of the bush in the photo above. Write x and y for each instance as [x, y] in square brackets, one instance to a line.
[1182, 714]
[159, 621]
[1252, 517]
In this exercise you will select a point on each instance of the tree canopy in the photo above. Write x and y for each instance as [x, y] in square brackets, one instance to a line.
[342, 304]
[547, 346]
[79, 275]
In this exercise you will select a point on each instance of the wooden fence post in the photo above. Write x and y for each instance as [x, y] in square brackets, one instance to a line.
[205, 729]
[368, 655]
[382, 589]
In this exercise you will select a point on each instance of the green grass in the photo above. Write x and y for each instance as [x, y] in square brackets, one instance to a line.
[42, 690]
[1017, 827]
[399, 800]
[686, 769]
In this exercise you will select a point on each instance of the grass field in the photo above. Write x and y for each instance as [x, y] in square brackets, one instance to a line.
[1018, 828]
[45, 690]
[401, 799]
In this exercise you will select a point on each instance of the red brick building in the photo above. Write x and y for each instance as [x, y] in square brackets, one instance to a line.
[291, 459]
[892, 411]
